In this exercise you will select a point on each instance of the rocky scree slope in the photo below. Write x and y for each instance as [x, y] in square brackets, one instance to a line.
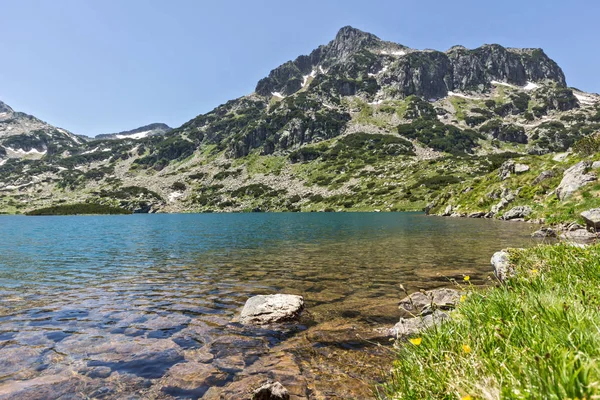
[358, 124]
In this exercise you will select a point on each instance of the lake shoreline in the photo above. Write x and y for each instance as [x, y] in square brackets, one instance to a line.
[520, 334]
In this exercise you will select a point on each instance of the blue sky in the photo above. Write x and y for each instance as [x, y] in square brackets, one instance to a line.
[104, 66]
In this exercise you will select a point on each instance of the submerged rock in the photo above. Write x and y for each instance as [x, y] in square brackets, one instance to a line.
[271, 391]
[422, 303]
[573, 179]
[271, 309]
[412, 326]
[501, 263]
[477, 215]
[544, 233]
[592, 218]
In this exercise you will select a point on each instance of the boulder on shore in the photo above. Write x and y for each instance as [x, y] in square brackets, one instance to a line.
[517, 212]
[273, 308]
[410, 326]
[573, 179]
[501, 263]
[544, 233]
[579, 236]
[592, 218]
[422, 303]
[271, 391]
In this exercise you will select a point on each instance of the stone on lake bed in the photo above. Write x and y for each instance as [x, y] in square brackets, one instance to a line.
[271, 391]
[273, 308]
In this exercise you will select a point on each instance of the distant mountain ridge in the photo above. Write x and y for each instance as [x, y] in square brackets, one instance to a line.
[358, 124]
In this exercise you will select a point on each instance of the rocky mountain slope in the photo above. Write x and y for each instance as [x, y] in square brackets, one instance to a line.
[23, 136]
[358, 124]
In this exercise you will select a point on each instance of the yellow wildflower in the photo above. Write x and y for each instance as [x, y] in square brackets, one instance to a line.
[466, 348]
[467, 397]
[534, 272]
[416, 341]
[467, 278]
[463, 298]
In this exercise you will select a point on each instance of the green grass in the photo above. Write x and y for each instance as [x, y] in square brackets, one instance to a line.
[536, 337]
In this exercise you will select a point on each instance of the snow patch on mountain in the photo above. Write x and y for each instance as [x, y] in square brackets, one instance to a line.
[138, 135]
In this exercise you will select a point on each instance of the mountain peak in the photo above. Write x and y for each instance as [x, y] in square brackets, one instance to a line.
[5, 108]
[349, 33]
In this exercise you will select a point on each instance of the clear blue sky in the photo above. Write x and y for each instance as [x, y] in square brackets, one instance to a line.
[110, 65]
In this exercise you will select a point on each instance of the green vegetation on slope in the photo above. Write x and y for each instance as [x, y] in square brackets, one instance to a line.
[534, 337]
[79, 209]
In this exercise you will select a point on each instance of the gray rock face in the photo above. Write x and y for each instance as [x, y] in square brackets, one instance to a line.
[521, 168]
[506, 169]
[271, 391]
[411, 326]
[272, 308]
[592, 218]
[420, 303]
[447, 211]
[429, 74]
[573, 179]
[579, 236]
[501, 263]
[543, 176]
[507, 197]
[517, 212]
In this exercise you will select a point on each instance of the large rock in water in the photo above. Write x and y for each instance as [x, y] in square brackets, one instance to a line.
[501, 264]
[271, 309]
[573, 179]
[420, 303]
[592, 218]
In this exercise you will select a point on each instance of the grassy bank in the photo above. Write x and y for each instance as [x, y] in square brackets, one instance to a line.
[536, 337]
[79, 209]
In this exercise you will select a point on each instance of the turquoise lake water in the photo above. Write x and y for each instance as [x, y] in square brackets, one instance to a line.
[127, 305]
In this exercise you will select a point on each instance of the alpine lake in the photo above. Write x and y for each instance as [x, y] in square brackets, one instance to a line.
[144, 306]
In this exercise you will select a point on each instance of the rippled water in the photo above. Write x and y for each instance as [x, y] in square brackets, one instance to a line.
[141, 306]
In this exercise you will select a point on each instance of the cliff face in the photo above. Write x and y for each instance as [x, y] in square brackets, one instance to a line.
[431, 74]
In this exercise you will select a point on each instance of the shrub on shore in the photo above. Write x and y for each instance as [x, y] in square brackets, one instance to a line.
[534, 337]
[79, 209]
